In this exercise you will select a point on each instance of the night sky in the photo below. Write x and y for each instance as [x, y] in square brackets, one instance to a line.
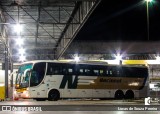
[122, 20]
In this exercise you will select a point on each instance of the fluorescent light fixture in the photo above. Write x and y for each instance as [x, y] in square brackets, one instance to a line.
[21, 51]
[22, 58]
[118, 57]
[18, 28]
[76, 58]
[158, 58]
[19, 41]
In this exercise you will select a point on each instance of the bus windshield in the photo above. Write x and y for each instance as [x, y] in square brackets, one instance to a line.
[20, 75]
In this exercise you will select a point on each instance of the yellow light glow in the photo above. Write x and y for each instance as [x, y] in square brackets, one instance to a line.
[17, 85]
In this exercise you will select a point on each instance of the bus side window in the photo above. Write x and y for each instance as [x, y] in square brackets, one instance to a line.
[70, 71]
[107, 72]
[127, 72]
[87, 72]
[81, 72]
[110, 73]
[52, 69]
[114, 71]
[96, 72]
[39, 69]
[64, 70]
[101, 72]
[55, 70]
[49, 69]
[118, 73]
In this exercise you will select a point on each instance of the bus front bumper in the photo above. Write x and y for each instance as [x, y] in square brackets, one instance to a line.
[21, 94]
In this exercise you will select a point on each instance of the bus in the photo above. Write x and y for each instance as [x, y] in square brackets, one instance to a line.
[53, 80]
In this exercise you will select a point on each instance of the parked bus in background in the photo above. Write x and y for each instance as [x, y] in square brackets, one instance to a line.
[52, 80]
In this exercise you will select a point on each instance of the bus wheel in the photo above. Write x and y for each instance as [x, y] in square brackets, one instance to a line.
[53, 95]
[119, 94]
[129, 94]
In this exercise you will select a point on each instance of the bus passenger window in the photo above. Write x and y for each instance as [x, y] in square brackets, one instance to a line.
[56, 71]
[96, 72]
[107, 72]
[87, 72]
[53, 69]
[81, 71]
[50, 71]
[70, 71]
[101, 72]
[64, 71]
[118, 73]
[110, 72]
[34, 79]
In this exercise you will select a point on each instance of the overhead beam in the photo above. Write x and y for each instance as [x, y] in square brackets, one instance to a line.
[113, 47]
[81, 12]
[44, 2]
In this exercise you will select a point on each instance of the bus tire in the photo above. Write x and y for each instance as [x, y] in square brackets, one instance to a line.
[119, 94]
[129, 94]
[53, 95]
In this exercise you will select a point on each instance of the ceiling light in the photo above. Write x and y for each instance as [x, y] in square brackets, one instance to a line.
[18, 28]
[158, 58]
[76, 58]
[19, 41]
[21, 51]
[22, 58]
[118, 57]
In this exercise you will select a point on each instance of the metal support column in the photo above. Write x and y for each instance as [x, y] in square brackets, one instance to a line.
[4, 36]
[6, 72]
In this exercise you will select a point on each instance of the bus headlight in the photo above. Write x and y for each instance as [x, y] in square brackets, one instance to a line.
[25, 93]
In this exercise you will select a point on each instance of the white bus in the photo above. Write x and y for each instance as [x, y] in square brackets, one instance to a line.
[53, 80]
